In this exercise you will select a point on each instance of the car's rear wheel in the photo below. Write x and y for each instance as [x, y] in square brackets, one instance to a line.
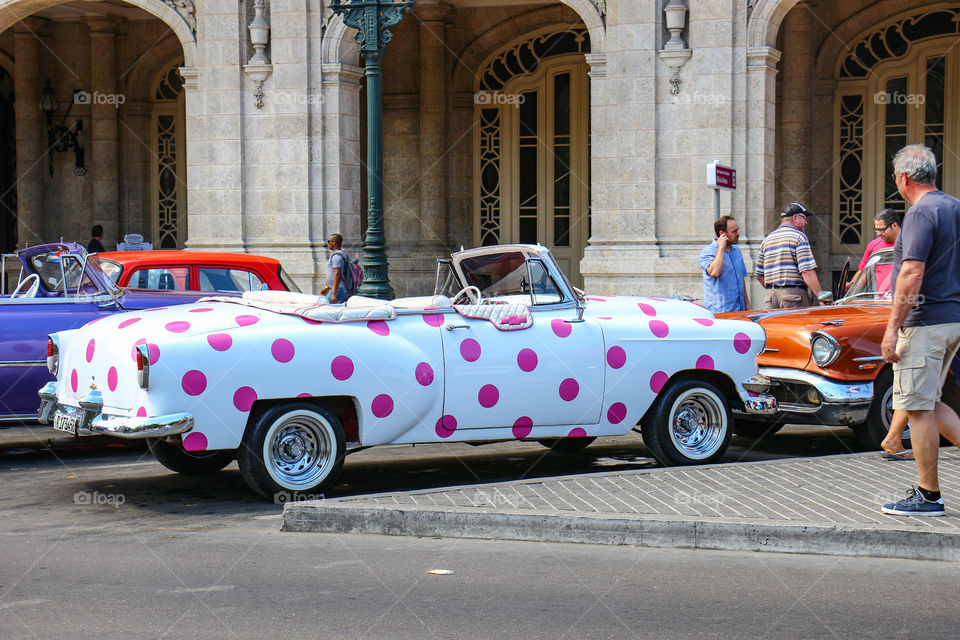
[688, 423]
[871, 433]
[189, 463]
[567, 445]
[292, 449]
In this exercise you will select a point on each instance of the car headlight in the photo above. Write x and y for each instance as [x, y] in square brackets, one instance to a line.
[824, 348]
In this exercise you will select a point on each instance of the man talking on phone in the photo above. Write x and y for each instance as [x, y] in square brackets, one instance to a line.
[723, 269]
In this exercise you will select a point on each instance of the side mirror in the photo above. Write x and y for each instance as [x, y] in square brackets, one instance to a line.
[825, 297]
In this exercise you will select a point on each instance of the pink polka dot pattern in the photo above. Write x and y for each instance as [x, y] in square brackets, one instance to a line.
[177, 327]
[616, 357]
[446, 425]
[577, 433]
[142, 412]
[282, 350]
[304, 395]
[90, 348]
[112, 378]
[133, 349]
[243, 398]
[616, 413]
[604, 318]
[194, 382]
[659, 328]
[201, 310]
[382, 406]
[195, 441]
[310, 320]
[522, 427]
[126, 323]
[489, 395]
[707, 322]
[245, 320]
[424, 374]
[657, 380]
[433, 319]
[341, 367]
[647, 309]
[527, 360]
[569, 389]
[598, 299]
[561, 328]
[470, 350]
[704, 362]
[74, 381]
[379, 327]
[741, 342]
[220, 341]
[153, 351]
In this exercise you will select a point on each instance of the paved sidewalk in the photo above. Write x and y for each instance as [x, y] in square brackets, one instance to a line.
[825, 505]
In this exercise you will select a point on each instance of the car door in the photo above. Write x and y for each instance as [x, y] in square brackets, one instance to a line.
[549, 373]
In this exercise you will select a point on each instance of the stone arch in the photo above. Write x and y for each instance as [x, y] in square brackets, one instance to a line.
[162, 55]
[12, 11]
[765, 22]
[338, 45]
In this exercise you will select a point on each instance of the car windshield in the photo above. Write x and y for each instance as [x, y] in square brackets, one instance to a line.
[111, 269]
[873, 283]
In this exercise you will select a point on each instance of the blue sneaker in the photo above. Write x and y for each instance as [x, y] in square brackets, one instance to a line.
[915, 505]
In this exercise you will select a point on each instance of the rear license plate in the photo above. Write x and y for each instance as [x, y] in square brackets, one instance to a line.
[64, 422]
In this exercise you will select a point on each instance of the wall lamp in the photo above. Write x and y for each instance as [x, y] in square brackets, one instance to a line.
[59, 137]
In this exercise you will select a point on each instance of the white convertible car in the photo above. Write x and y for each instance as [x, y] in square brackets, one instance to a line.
[505, 349]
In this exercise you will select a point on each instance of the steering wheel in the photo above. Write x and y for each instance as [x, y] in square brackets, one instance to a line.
[470, 292]
[27, 287]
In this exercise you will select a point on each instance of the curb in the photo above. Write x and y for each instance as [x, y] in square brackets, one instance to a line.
[724, 535]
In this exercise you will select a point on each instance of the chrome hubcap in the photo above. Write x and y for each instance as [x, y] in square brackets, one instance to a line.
[299, 450]
[698, 424]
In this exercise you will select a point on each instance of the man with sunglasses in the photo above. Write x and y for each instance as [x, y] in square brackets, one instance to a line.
[785, 266]
[886, 225]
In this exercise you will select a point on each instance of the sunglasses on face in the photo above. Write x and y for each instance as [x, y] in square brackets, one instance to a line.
[881, 230]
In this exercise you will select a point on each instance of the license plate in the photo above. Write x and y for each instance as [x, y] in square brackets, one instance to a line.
[64, 422]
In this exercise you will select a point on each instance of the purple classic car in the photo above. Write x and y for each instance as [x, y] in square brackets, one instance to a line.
[50, 288]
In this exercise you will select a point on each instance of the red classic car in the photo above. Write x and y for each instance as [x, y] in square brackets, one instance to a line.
[194, 271]
[825, 361]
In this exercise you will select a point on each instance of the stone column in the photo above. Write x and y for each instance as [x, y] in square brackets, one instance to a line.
[104, 111]
[31, 132]
[794, 148]
[433, 124]
[135, 167]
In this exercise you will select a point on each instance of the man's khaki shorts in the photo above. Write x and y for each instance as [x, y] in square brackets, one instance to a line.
[925, 356]
[792, 298]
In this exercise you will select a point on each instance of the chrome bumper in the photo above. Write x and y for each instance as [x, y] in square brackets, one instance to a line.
[88, 420]
[759, 403]
[839, 403]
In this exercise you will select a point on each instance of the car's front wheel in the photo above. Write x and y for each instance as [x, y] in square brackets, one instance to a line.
[688, 423]
[189, 463]
[292, 449]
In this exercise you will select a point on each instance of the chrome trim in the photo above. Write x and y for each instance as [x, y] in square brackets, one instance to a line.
[763, 405]
[833, 343]
[129, 427]
[832, 392]
[757, 384]
[143, 375]
[768, 350]
[869, 359]
[48, 402]
[23, 363]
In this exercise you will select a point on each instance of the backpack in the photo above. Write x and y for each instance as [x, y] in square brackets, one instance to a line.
[351, 274]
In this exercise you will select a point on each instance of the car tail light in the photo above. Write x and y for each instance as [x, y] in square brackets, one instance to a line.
[143, 366]
[53, 354]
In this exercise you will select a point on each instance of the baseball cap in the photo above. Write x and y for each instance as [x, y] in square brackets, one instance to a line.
[794, 209]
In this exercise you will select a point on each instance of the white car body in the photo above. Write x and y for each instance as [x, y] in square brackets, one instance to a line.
[547, 363]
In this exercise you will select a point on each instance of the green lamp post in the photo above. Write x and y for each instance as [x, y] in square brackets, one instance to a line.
[372, 19]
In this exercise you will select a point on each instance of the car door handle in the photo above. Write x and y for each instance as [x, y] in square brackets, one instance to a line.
[451, 326]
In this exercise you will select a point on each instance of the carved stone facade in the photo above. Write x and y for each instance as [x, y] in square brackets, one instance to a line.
[271, 146]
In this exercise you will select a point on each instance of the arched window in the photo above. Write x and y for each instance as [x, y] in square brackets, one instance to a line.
[531, 145]
[169, 168]
[896, 86]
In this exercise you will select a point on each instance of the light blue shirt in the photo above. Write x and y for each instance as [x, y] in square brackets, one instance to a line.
[726, 292]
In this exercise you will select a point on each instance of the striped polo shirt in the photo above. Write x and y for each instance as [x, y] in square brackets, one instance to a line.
[784, 254]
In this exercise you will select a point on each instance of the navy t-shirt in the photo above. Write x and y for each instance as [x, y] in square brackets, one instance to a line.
[930, 233]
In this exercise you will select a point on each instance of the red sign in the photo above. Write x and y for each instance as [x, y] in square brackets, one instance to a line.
[721, 177]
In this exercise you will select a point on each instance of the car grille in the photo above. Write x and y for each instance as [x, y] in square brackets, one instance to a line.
[792, 396]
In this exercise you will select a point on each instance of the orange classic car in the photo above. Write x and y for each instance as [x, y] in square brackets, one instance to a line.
[825, 361]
